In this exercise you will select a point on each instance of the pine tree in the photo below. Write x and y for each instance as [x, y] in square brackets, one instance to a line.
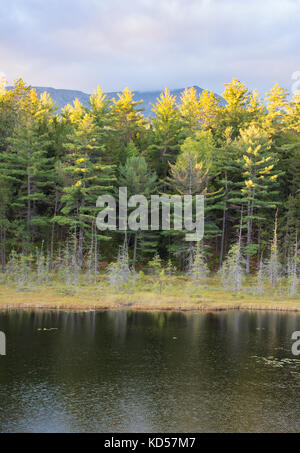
[11, 102]
[256, 109]
[232, 270]
[27, 168]
[274, 265]
[260, 181]
[189, 109]
[277, 106]
[139, 180]
[189, 176]
[166, 133]
[291, 116]
[197, 269]
[227, 170]
[209, 106]
[293, 270]
[235, 113]
[128, 123]
[119, 273]
[160, 274]
[86, 176]
[260, 278]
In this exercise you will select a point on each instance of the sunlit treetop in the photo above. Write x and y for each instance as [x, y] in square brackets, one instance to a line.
[209, 106]
[256, 107]
[277, 107]
[98, 100]
[189, 107]
[126, 105]
[236, 95]
[293, 113]
[74, 112]
[165, 107]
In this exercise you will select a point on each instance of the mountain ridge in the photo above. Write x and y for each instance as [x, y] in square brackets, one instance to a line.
[62, 97]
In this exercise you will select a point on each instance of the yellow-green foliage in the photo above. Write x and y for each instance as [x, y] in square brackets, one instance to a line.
[176, 292]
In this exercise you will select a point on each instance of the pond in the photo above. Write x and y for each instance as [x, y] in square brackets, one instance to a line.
[126, 371]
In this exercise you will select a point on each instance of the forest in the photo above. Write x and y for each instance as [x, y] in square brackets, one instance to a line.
[242, 154]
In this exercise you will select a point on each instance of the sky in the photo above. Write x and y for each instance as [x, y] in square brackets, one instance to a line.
[150, 44]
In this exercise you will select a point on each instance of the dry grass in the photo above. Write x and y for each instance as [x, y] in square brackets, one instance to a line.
[177, 296]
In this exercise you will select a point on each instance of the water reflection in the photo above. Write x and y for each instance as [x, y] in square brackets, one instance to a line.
[163, 372]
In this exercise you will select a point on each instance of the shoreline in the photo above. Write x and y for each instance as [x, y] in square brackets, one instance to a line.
[210, 309]
[88, 300]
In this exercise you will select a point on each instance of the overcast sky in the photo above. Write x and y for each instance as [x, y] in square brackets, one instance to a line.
[150, 44]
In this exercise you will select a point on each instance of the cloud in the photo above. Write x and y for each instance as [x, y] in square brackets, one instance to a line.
[147, 44]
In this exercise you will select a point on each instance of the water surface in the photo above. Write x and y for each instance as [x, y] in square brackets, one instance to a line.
[149, 372]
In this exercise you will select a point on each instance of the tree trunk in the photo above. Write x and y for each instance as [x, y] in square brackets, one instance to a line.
[52, 232]
[134, 250]
[28, 207]
[224, 223]
[3, 248]
[96, 257]
[249, 235]
[80, 248]
[223, 237]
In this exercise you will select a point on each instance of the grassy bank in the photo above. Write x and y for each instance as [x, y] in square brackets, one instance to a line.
[178, 295]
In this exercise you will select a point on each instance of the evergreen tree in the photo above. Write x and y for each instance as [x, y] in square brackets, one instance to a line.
[260, 181]
[232, 270]
[189, 109]
[128, 123]
[86, 176]
[139, 180]
[197, 269]
[235, 113]
[274, 265]
[27, 168]
[166, 133]
[277, 106]
[209, 106]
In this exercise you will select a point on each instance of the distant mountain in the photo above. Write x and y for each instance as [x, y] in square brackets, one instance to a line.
[64, 97]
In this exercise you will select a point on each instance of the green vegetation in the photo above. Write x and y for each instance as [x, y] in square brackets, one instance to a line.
[159, 291]
[244, 156]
